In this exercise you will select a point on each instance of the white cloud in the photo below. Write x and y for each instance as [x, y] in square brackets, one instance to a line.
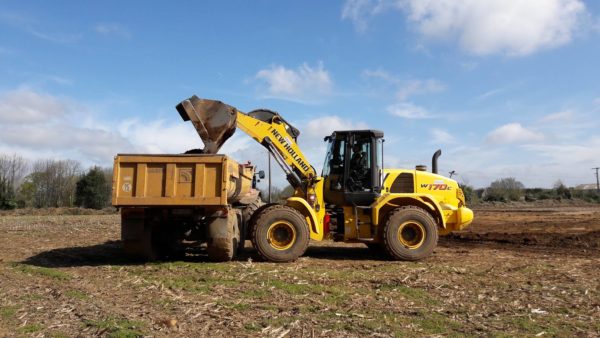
[584, 153]
[114, 29]
[160, 136]
[488, 94]
[24, 105]
[513, 133]
[304, 83]
[406, 88]
[30, 25]
[562, 116]
[441, 136]
[381, 74]
[408, 111]
[510, 27]
[40, 125]
[324, 126]
[416, 87]
[403, 90]
[358, 11]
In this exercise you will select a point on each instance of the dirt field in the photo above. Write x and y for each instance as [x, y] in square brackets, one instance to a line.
[517, 271]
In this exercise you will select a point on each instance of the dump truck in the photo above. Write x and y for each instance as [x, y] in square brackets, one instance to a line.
[170, 201]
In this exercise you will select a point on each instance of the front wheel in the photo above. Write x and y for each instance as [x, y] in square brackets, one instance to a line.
[410, 234]
[280, 233]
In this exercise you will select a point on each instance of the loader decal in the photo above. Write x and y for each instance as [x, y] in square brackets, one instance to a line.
[436, 186]
[288, 147]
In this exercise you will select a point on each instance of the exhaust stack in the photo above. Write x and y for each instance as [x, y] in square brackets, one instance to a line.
[434, 163]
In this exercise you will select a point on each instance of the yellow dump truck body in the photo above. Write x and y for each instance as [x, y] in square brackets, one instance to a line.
[178, 180]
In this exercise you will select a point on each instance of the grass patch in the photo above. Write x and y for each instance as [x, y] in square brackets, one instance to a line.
[76, 294]
[238, 306]
[255, 293]
[196, 284]
[435, 323]
[31, 297]
[30, 328]
[41, 271]
[117, 328]
[8, 312]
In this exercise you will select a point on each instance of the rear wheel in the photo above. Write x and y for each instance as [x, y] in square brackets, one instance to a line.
[247, 213]
[410, 234]
[223, 237]
[138, 233]
[280, 233]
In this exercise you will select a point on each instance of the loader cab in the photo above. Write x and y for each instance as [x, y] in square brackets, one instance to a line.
[352, 171]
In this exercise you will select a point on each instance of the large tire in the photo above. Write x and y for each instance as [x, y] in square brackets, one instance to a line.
[250, 209]
[410, 234]
[245, 221]
[137, 235]
[280, 233]
[223, 237]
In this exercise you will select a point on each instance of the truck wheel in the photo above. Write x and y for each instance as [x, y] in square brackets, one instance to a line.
[137, 235]
[410, 234]
[251, 208]
[246, 217]
[223, 237]
[280, 234]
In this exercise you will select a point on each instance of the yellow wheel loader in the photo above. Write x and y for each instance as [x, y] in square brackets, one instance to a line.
[354, 200]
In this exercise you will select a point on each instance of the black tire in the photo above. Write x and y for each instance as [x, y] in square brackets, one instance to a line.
[223, 238]
[137, 234]
[245, 219]
[280, 233]
[250, 209]
[410, 234]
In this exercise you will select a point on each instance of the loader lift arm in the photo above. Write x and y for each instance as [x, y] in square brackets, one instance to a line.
[216, 121]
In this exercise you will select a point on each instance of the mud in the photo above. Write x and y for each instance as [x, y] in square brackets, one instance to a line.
[518, 271]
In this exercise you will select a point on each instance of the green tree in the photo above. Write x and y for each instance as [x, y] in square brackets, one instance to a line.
[470, 194]
[504, 189]
[561, 190]
[92, 190]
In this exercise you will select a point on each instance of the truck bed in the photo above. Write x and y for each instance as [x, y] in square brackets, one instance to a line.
[173, 180]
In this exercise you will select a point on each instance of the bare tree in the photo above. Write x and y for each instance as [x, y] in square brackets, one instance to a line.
[52, 183]
[12, 170]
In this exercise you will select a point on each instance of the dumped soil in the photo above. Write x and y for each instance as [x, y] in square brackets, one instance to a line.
[518, 270]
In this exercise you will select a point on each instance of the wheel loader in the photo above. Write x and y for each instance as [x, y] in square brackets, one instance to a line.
[354, 200]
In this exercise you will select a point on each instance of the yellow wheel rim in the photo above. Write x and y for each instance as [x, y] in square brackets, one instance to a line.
[411, 234]
[281, 235]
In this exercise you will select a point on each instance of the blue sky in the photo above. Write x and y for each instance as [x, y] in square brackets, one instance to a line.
[506, 88]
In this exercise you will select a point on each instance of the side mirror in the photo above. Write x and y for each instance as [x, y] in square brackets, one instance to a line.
[261, 174]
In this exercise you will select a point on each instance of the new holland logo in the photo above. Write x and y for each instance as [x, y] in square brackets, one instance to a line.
[288, 147]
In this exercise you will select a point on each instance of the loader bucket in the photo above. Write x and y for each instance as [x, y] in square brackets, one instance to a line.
[214, 121]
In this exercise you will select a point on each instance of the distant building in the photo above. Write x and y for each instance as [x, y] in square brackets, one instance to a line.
[591, 186]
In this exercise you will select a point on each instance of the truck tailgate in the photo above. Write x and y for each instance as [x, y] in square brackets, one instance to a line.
[172, 180]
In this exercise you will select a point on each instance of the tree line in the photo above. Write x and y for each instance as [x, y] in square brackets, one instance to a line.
[510, 189]
[64, 183]
[52, 183]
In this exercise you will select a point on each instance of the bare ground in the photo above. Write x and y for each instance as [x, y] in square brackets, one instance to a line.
[518, 271]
